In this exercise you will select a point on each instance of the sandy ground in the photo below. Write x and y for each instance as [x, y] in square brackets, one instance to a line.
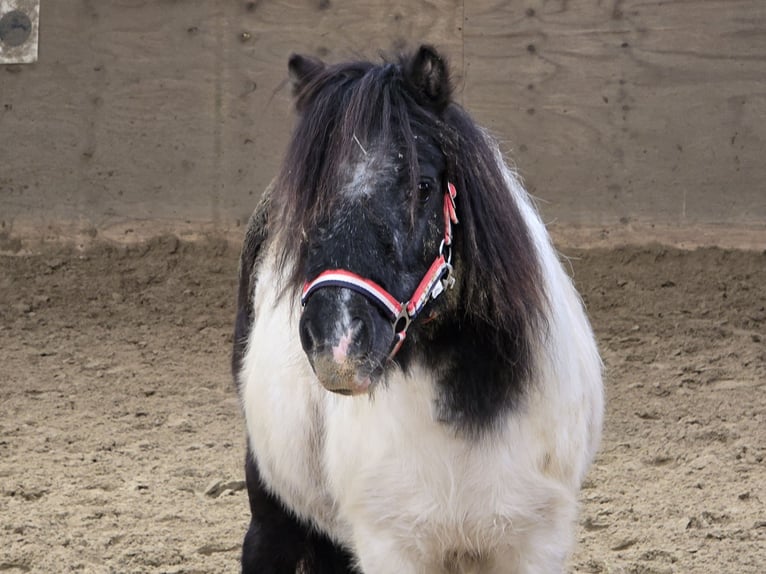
[121, 441]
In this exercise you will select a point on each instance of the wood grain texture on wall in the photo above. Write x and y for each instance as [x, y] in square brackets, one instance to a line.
[114, 122]
[178, 111]
[174, 111]
[626, 110]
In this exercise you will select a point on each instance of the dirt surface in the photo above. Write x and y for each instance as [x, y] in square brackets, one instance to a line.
[121, 440]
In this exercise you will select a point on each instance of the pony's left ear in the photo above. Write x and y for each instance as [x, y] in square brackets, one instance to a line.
[427, 73]
[302, 70]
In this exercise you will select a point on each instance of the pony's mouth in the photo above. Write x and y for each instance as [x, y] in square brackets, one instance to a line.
[350, 377]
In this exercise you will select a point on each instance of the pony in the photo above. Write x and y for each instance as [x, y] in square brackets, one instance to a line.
[420, 383]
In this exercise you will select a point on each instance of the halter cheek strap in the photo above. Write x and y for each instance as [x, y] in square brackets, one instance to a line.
[437, 279]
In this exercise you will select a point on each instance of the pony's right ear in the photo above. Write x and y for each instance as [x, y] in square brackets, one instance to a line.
[302, 70]
[428, 74]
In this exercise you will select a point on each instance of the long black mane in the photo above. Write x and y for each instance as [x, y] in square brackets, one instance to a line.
[501, 297]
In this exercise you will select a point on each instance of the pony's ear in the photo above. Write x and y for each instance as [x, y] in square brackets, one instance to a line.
[427, 73]
[302, 70]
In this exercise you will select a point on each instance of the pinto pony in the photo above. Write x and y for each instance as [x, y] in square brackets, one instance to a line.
[420, 383]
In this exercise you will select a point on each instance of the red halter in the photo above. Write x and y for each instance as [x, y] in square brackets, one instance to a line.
[435, 281]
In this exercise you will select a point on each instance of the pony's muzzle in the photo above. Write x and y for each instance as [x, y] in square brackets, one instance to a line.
[340, 336]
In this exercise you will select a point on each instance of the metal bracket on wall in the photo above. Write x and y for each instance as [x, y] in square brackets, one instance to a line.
[19, 24]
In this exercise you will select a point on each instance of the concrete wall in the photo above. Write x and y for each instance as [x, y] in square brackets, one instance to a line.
[150, 116]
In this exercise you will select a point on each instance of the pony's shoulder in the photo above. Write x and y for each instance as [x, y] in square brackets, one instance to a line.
[256, 236]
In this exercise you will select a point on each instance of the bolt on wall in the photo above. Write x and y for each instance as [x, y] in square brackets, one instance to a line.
[19, 24]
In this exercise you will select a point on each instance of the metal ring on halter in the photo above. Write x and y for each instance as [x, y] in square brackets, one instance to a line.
[448, 257]
[403, 316]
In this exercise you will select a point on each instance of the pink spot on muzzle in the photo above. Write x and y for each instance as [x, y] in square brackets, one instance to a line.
[340, 351]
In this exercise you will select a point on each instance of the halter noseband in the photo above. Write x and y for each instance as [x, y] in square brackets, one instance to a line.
[401, 315]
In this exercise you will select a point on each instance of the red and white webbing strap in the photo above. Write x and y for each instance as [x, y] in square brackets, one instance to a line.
[450, 214]
[342, 278]
[434, 282]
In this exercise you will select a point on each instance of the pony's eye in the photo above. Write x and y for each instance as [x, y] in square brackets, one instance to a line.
[424, 188]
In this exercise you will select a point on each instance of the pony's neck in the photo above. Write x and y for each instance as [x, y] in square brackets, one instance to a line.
[481, 373]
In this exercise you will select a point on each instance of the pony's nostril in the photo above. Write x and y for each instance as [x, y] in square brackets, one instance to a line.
[307, 335]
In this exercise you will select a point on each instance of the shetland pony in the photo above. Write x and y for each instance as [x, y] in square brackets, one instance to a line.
[421, 387]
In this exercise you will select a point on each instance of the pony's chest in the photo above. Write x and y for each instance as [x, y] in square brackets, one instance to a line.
[392, 464]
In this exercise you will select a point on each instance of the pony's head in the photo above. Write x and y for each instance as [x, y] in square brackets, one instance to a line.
[363, 207]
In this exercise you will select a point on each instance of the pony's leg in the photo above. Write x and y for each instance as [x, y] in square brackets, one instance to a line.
[275, 541]
[503, 565]
[538, 555]
[326, 557]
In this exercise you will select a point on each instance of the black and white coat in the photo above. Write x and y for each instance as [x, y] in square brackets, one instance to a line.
[387, 484]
